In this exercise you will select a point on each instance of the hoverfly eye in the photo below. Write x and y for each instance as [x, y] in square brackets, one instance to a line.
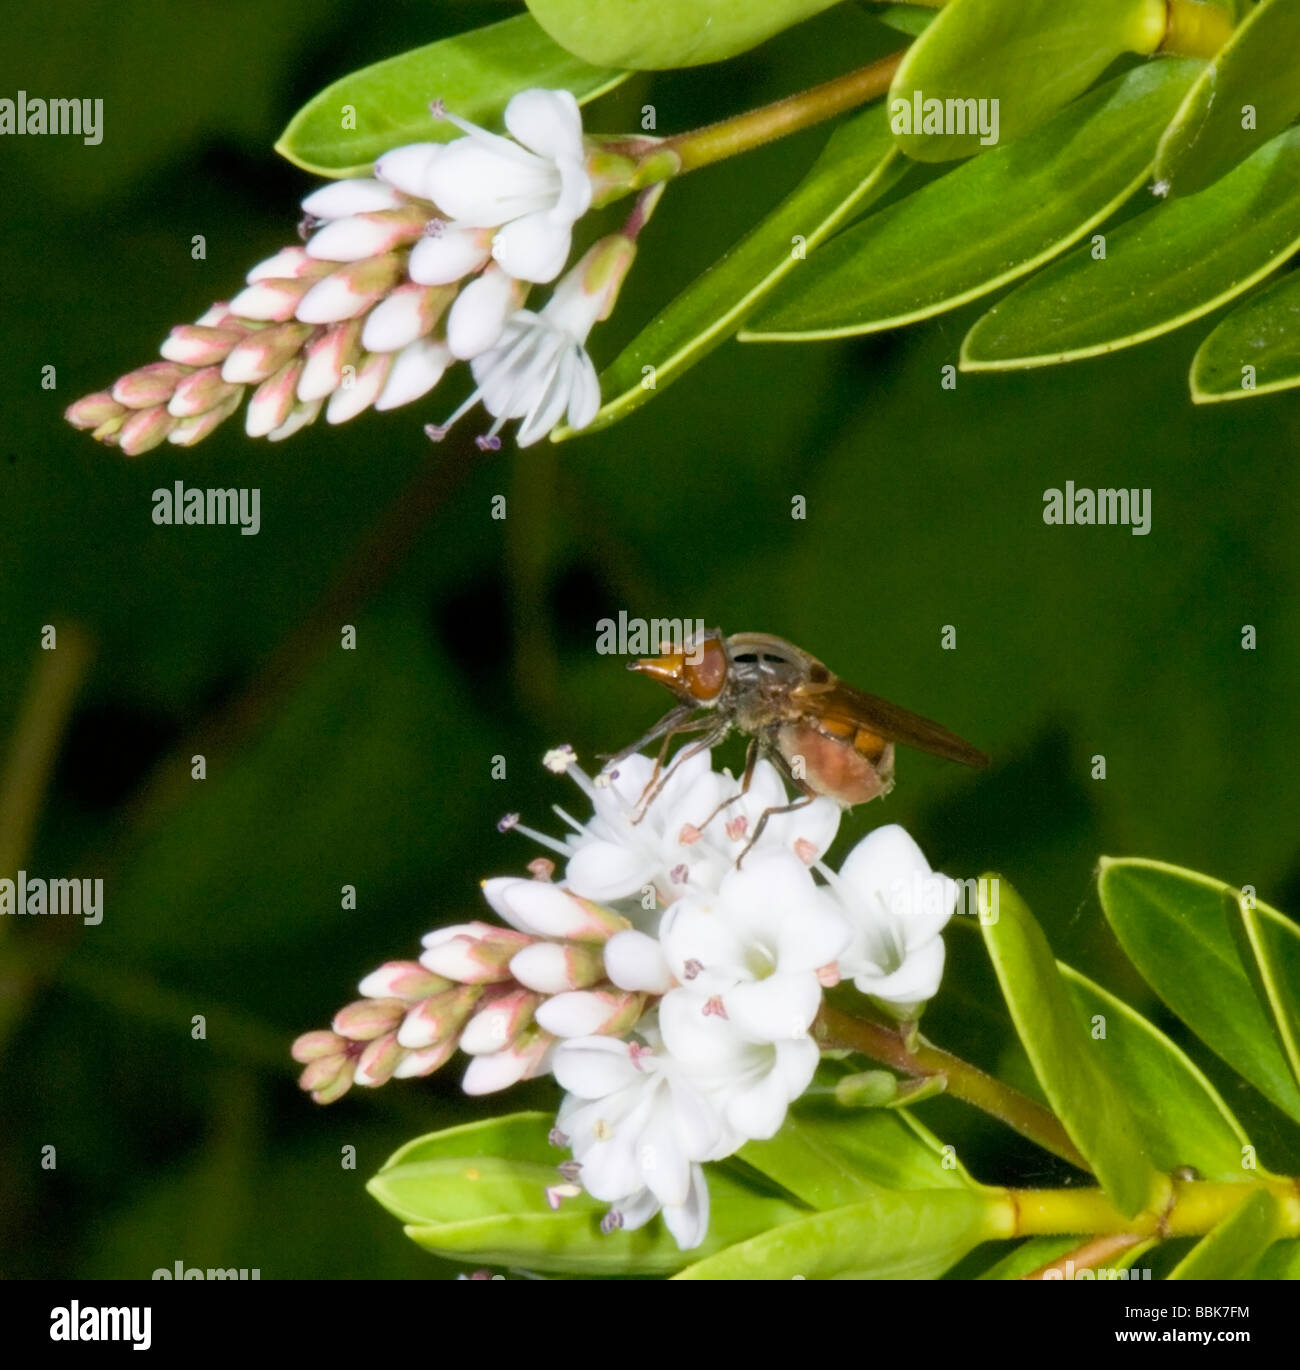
[706, 677]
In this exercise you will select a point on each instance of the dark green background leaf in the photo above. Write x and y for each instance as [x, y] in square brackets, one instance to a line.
[984, 223]
[474, 74]
[1163, 269]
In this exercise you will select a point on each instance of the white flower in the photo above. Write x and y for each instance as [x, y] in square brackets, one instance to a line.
[756, 946]
[898, 906]
[751, 1083]
[674, 847]
[536, 369]
[638, 1128]
[531, 187]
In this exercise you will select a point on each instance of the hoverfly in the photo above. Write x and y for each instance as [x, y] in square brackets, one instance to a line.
[824, 736]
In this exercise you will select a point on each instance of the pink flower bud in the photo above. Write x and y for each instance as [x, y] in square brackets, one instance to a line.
[311, 1046]
[472, 953]
[499, 1019]
[273, 400]
[274, 299]
[193, 344]
[199, 391]
[405, 980]
[525, 1058]
[263, 353]
[358, 392]
[591, 1012]
[326, 357]
[144, 430]
[424, 1061]
[189, 431]
[92, 410]
[368, 1018]
[438, 1019]
[328, 1094]
[350, 290]
[377, 1062]
[553, 967]
[149, 385]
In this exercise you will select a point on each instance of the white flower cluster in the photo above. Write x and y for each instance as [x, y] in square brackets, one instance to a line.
[403, 273]
[671, 992]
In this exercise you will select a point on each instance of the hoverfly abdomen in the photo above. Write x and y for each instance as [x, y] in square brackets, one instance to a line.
[830, 768]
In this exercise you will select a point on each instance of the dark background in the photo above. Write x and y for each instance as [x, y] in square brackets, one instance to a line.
[476, 637]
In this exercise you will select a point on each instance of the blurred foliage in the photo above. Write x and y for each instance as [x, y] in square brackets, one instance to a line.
[475, 637]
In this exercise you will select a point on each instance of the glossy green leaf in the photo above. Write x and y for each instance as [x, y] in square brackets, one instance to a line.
[1070, 1065]
[569, 1240]
[1030, 1255]
[913, 19]
[829, 1156]
[915, 1235]
[1172, 924]
[1030, 56]
[1180, 1115]
[985, 223]
[1258, 69]
[1037, 1252]
[474, 74]
[858, 164]
[667, 33]
[1161, 270]
[1231, 1250]
[1270, 953]
[456, 1189]
[1255, 350]
[513, 1137]
[1280, 1262]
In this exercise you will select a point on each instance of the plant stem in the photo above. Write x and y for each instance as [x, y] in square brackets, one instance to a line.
[1195, 28]
[834, 1028]
[1192, 1209]
[35, 742]
[715, 142]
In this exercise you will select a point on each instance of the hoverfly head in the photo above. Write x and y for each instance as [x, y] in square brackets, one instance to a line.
[696, 675]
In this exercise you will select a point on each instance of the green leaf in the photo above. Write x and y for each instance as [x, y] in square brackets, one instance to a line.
[1172, 925]
[462, 1188]
[477, 1193]
[1030, 1255]
[1280, 1262]
[569, 1240]
[915, 1235]
[1270, 952]
[1070, 1066]
[667, 33]
[913, 19]
[1030, 56]
[1181, 1116]
[474, 74]
[1259, 68]
[516, 1136]
[829, 1157]
[1161, 270]
[1263, 334]
[985, 223]
[1232, 1249]
[857, 165]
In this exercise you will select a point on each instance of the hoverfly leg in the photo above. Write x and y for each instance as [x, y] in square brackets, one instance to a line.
[801, 803]
[751, 760]
[652, 791]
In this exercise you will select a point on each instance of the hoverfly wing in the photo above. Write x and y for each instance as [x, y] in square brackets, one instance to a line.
[837, 702]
